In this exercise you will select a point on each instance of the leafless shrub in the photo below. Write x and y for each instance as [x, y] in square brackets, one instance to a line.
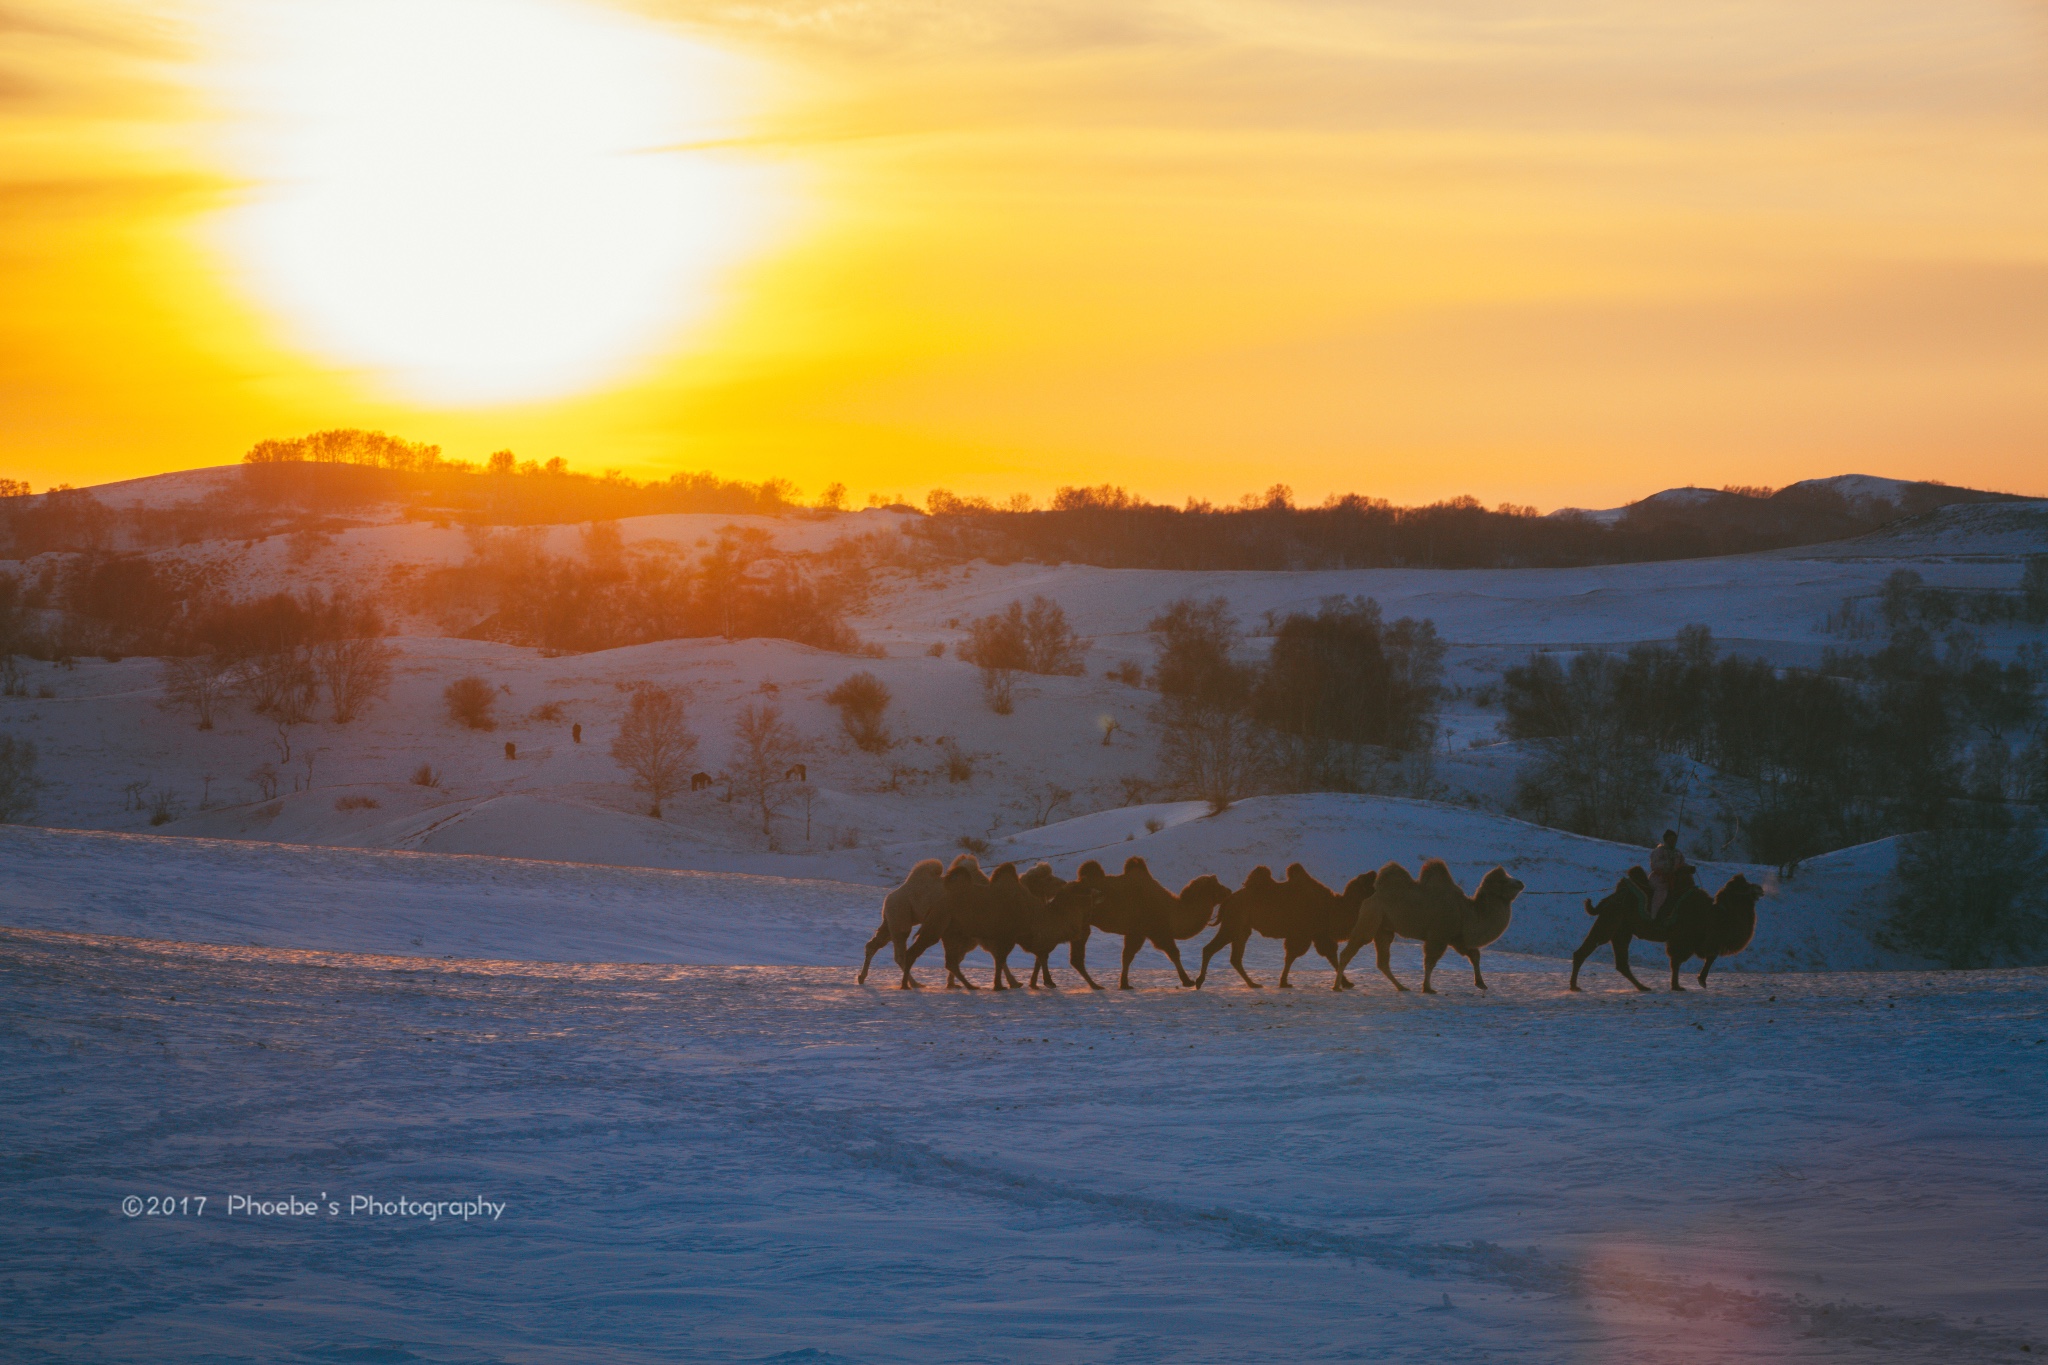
[425, 776]
[655, 744]
[355, 671]
[1212, 754]
[863, 700]
[471, 702]
[763, 747]
[357, 803]
[1043, 802]
[959, 764]
[973, 844]
[164, 806]
[264, 775]
[281, 685]
[201, 684]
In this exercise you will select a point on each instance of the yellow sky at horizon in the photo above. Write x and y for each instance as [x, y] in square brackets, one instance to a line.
[1559, 253]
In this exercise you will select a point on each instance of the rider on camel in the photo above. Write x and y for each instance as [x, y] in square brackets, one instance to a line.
[1666, 865]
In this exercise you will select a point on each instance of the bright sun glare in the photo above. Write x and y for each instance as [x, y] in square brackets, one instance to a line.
[481, 201]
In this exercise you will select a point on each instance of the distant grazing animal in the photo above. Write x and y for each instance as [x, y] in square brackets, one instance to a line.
[511, 749]
[1695, 926]
[576, 733]
[1300, 911]
[699, 781]
[1134, 905]
[796, 773]
[1058, 914]
[1623, 914]
[1434, 910]
[903, 910]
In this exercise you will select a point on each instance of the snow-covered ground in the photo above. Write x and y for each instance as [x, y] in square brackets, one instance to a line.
[641, 1039]
[769, 1164]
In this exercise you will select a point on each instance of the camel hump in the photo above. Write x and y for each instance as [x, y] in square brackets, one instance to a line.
[1436, 873]
[1394, 876]
[1134, 866]
[1297, 873]
[964, 861]
[1006, 873]
[1090, 871]
[931, 869]
[1259, 876]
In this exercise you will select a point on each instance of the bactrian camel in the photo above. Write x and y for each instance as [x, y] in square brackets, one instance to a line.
[1134, 905]
[1432, 909]
[1301, 912]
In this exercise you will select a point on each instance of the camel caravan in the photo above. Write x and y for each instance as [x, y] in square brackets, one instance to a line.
[961, 908]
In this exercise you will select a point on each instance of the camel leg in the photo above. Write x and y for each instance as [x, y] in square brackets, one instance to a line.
[1706, 967]
[1172, 951]
[1293, 948]
[1209, 950]
[1350, 951]
[1672, 953]
[1432, 953]
[1329, 950]
[916, 950]
[1473, 958]
[1621, 961]
[1077, 958]
[882, 935]
[954, 962]
[1132, 943]
[1002, 966]
[1383, 951]
[1585, 950]
[1237, 960]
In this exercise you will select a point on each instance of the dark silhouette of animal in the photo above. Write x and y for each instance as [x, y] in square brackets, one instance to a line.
[796, 773]
[1696, 926]
[511, 749]
[903, 910]
[1301, 912]
[699, 781]
[1059, 915]
[1433, 909]
[979, 910]
[1622, 915]
[1134, 905]
[576, 733]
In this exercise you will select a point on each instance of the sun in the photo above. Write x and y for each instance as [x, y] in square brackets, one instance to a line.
[481, 201]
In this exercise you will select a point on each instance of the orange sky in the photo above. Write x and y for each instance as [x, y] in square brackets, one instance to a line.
[1559, 253]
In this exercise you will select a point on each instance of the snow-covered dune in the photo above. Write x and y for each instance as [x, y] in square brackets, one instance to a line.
[434, 904]
[421, 905]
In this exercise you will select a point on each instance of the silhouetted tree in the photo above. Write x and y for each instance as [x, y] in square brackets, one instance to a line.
[655, 744]
[763, 747]
[863, 700]
[471, 701]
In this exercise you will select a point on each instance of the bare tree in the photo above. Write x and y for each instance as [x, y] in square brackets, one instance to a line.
[863, 700]
[281, 684]
[470, 701]
[1211, 753]
[355, 671]
[763, 746]
[1021, 639]
[201, 684]
[655, 744]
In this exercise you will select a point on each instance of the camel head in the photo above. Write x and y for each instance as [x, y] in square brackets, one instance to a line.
[1498, 884]
[1072, 896]
[1641, 880]
[1207, 887]
[1359, 887]
[1740, 892]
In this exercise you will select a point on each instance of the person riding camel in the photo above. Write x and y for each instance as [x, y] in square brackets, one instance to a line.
[1666, 864]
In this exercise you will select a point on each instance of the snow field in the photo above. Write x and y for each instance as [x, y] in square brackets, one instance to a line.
[769, 1164]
